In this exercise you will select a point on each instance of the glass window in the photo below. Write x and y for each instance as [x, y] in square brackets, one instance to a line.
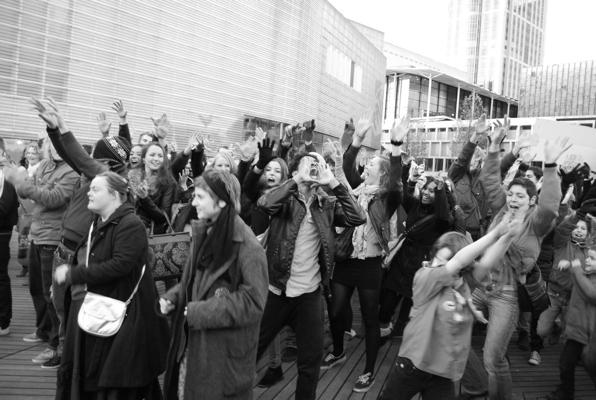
[439, 164]
[435, 149]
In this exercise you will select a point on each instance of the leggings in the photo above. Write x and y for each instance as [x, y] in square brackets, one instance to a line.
[339, 315]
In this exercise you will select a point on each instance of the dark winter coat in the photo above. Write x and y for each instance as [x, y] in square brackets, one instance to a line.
[9, 205]
[221, 331]
[581, 315]
[136, 355]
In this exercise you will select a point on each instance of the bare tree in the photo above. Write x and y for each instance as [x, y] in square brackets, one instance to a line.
[471, 109]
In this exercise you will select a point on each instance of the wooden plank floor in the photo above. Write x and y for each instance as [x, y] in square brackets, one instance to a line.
[22, 379]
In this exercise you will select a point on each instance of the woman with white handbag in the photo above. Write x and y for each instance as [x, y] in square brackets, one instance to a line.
[121, 344]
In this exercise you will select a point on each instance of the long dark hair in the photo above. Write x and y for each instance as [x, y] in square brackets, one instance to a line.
[164, 175]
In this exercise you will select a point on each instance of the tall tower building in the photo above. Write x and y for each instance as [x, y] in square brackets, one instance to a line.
[492, 40]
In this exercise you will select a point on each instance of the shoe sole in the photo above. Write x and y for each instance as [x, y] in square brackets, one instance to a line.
[533, 362]
[363, 390]
[52, 367]
[40, 361]
[326, 367]
[273, 384]
[33, 340]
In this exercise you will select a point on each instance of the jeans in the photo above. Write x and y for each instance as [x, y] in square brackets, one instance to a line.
[475, 378]
[62, 255]
[275, 353]
[405, 381]
[303, 314]
[571, 354]
[558, 306]
[5, 290]
[41, 260]
[503, 311]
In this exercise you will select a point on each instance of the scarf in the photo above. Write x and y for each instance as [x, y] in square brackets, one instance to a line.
[219, 241]
[364, 194]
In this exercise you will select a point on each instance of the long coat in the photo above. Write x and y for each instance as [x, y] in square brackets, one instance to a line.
[136, 355]
[221, 332]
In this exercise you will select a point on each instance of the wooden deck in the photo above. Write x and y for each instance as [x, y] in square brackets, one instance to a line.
[22, 379]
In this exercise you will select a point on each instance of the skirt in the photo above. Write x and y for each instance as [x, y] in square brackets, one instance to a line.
[365, 274]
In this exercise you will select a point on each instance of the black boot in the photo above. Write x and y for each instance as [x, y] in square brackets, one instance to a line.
[271, 377]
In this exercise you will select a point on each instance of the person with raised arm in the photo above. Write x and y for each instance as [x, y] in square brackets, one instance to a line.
[379, 194]
[438, 337]
[109, 154]
[299, 254]
[518, 266]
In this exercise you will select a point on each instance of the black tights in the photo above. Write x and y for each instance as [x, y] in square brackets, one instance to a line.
[339, 315]
[389, 302]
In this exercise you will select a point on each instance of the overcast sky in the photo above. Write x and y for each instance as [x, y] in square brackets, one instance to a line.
[421, 26]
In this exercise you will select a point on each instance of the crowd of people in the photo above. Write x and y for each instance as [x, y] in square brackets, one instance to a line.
[282, 234]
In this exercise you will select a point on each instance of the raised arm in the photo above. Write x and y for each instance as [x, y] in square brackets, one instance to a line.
[506, 231]
[461, 166]
[490, 176]
[349, 165]
[543, 217]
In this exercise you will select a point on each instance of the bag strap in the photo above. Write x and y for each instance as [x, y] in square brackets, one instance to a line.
[136, 287]
[89, 246]
[418, 223]
[170, 228]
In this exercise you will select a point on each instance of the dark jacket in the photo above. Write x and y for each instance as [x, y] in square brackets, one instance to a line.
[51, 189]
[382, 206]
[136, 355]
[77, 218]
[220, 334]
[156, 207]
[287, 213]
[468, 190]
[419, 241]
[9, 206]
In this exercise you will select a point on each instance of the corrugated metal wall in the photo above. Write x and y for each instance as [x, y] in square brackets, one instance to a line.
[558, 90]
[204, 63]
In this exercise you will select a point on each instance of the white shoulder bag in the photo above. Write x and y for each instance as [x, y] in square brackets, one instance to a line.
[100, 315]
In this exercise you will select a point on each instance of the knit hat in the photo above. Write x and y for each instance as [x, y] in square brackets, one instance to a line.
[113, 148]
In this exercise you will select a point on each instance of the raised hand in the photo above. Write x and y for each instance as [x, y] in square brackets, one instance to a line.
[526, 139]
[103, 124]
[527, 155]
[348, 135]
[265, 153]
[362, 127]
[260, 134]
[162, 126]
[498, 135]
[119, 108]
[308, 134]
[400, 129]
[481, 125]
[303, 174]
[337, 153]
[248, 149]
[183, 179]
[554, 148]
[49, 113]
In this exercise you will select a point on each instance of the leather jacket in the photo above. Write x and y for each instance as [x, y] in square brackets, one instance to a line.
[383, 205]
[287, 213]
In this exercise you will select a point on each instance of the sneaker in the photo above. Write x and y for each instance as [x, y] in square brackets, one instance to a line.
[271, 377]
[54, 363]
[386, 329]
[5, 331]
[361, 332]
[523, 343]
[23, 273]
[535, 358]
[45, 356]
[289, 354]
[555, 335]
[33, 338]
[558, 395]
[364, 383]
[331, 361]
